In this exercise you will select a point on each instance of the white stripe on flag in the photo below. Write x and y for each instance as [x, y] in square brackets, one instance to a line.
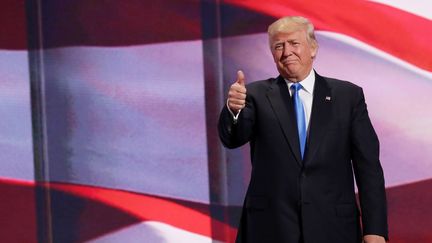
[152, 232]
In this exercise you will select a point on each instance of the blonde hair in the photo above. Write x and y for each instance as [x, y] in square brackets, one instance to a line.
[290, 23]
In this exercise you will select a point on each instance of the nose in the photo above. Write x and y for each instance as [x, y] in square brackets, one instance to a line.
[287, 51]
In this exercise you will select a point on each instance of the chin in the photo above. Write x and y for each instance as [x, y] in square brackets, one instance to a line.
[291, 72]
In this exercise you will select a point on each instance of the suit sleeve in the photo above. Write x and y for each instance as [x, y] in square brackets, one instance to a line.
[368, 171]
[232, 133]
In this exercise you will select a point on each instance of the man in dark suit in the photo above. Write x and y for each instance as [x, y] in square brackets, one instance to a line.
[310, 136]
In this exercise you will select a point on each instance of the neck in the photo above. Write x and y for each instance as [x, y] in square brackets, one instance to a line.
[296, 79]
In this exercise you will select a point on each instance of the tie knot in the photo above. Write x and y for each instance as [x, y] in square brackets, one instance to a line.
[296, 86]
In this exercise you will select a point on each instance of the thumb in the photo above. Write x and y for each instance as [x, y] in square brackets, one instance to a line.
[240, 78]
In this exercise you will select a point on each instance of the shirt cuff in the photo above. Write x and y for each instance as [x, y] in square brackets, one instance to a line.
[234, 116]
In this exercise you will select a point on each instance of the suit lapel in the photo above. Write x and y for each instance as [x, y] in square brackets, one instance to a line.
[281, 103]
[320, 116]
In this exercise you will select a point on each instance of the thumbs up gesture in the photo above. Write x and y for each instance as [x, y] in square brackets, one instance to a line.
[237, 94]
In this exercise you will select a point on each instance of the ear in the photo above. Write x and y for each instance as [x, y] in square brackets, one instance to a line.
[314, 49]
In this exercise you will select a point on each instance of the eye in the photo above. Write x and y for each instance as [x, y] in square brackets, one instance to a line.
[278, 47]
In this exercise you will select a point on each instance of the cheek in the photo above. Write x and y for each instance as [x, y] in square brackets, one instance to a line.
[276, 54]
[276, 57]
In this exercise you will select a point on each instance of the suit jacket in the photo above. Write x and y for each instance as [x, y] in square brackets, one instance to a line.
[290, 200]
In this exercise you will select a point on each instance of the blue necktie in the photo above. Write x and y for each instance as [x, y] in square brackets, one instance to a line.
[300, 115]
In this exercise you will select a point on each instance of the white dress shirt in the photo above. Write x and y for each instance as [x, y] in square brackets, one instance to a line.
[306, 94]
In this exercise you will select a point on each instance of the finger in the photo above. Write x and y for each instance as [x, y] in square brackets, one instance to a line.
[240, 78]
[237, 95]
[238, 88]
[237, 101]
[240, 96]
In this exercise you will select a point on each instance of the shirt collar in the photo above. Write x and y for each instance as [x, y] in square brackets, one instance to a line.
[307, 83]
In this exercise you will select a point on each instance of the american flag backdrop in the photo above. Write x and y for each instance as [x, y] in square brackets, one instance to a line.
[109, 110]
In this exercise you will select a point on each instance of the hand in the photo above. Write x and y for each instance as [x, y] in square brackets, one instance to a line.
[373, 239]
[237, 94]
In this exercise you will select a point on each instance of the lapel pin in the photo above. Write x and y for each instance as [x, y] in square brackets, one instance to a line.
[327, 98]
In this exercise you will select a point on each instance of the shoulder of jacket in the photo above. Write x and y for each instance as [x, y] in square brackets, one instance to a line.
[341, 84]
[261, 84]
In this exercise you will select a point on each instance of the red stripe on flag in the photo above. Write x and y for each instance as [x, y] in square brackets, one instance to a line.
[153, 208]
[410, 214]
[13, 25]
[97, 208]
[17, 211]
[119, 23]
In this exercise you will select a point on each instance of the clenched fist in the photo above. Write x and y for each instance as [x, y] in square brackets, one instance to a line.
[237, 94]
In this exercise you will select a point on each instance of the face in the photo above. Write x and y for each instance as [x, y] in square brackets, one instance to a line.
[293, 54]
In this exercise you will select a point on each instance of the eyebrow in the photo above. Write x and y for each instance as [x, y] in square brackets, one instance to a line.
[277, 42]
[291, 40]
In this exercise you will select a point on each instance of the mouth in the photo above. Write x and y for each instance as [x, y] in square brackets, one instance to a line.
[287, 62]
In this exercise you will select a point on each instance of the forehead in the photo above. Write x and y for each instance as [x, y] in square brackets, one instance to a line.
[297, 34]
